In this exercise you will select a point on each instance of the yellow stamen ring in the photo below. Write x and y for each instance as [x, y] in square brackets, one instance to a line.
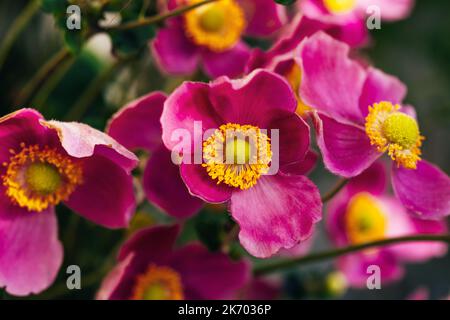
[158, 283]
[395, 132]
[217, 25]
[37, 178]
[237, 155]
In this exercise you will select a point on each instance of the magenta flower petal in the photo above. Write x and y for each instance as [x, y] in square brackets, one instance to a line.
[30, 252]
[293, 139]
[173, 52]
[402, 224]
[346, 149]
[425, 191]
[109, 200]
[378, 87]
[390, 10]
[331, 81]
[229, 63]
[154, 242]
[112, 280]
[147, 246]
[258, 99]
[82, 141]
[207, 275]
[278, 212]
[187, 104]
[305, 166]
[165, 188]
[201, 185]
[23, 126]
[264, 17]
[137, 125]
[353, 32]
[372, 180]
[355, 266]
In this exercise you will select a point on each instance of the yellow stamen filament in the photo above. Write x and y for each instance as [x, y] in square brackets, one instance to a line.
[37, 178]
[158, 283]
[294, 77]
[339, 6]
[237, 155]
[395, 133]
[217, 25]
[364, 219]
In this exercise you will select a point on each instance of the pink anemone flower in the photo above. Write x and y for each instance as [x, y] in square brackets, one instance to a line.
[362, 213]
[347, 18]
[211, 34]
[137, 126]
[151, 268]
[360, 116]
[242, 143]
[44, 163]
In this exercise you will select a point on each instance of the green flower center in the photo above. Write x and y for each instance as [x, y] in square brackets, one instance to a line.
[212, 19]
[401, 129]
[43, 178]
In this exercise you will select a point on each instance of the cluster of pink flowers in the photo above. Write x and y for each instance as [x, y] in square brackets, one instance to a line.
[305, 81]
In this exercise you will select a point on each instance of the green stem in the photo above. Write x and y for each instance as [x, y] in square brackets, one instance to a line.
[338, 187]
[41, 76]
[159, 18]
[289, 263]
[16, 29]
[82, 105]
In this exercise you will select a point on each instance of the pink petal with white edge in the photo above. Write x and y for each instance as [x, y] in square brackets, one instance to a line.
[30, 252]
[82, 141]
[346, 149]
[331, 81]
[424, 191]
[278, 212]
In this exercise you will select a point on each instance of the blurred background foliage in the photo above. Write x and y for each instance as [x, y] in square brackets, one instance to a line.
[93, 84]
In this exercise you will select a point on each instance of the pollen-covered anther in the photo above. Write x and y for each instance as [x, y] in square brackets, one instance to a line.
[158, 283]
[37, 178]
[394, 132]
[216, 25]
[237, 155]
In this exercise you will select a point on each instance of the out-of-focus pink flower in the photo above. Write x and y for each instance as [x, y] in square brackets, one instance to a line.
[151, 268]
[346, 19]
[137, 126]
[273, 211]
[362, 213]
[359, 117]
[210, 36]
[45, 163]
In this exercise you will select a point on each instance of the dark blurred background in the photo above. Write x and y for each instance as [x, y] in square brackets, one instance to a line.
[417, 50]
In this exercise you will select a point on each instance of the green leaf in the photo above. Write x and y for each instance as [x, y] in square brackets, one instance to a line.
[285, 2]
[54, 6]
[128, 42]
[74, 40]
[210, 228]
